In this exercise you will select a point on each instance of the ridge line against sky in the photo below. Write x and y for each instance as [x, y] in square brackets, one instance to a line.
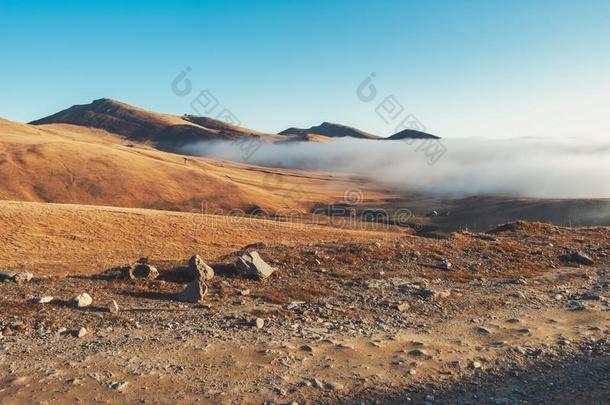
[464, 69]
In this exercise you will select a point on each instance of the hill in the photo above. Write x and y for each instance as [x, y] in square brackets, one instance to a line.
[412, 134]
[331, 130]
[164, 131]
[173, 132]
[63, 163]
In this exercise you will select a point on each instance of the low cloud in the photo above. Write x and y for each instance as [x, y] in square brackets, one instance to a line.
[524, 167]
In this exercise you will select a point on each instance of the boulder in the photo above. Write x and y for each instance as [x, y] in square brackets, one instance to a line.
[578, 257]
[195, 292]
[23, 277]
[113, 307]
[429, 293]
[141, 269]
[42, 300]
[119, 385]
[445, 265]
[199, 270]
[82, 300]
[7, 275]
[251, 265]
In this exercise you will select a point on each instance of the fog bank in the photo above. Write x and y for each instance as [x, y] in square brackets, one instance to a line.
[458, 167]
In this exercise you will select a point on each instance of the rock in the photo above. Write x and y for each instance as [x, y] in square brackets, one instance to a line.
[578, 257]
[23, 380]
[18, 326]
[81, 332]
[307, 348]
[483, 331]
[578, 306]
[590, 296]
[403, 307]
[251, 265]
[456, 364]
[259, 323]
[7, 275]
[332, 386]
[244, 292]
[317, 383]
[428, 293]
[418, 352]
[475, 365]
[141, 269]
[113, 307]
[42, 300]
[23, 277]
[445, 265]
[81, 301]
[521, 280]
[199, 270]
[119, 386]
[195, 292]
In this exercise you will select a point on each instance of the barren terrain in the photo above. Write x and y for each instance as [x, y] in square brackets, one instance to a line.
[375, 295]
[349, 315]
[63, 163]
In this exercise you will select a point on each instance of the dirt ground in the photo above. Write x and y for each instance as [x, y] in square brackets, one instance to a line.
[349, 316]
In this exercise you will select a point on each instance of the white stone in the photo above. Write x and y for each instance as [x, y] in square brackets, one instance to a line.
[82, 300]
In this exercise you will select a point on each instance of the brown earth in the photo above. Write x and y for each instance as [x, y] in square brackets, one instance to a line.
[71, 164]
[356, 311]
[507, 319]
[63, 163]
[166, 131]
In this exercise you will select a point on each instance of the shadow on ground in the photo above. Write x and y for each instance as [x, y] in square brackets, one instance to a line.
[578, 380]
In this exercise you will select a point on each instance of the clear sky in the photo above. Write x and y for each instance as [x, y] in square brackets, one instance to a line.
[463, 68]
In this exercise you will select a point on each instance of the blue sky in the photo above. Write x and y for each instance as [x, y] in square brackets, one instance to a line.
[463, 68]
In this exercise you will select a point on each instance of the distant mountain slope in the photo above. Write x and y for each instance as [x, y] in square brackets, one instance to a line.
[173, 132]
[63, 163]
[331, 130]
[165, 131]
[411, 134]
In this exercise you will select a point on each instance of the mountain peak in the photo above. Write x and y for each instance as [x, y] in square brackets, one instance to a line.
[332, 130]
[412, 134]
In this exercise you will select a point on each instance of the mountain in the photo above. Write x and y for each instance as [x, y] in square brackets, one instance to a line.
[65, 163]
[164, 131]
[173, 132]
[411, 134]
[331, 130]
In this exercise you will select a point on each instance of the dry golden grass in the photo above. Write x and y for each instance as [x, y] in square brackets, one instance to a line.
[72, 164]
[78, 239]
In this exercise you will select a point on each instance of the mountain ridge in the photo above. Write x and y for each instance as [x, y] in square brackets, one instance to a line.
[172, 133]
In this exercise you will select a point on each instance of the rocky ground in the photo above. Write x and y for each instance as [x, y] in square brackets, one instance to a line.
[517, 315]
